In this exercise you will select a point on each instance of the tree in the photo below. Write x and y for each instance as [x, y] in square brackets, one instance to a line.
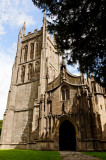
[79, 27]
[1, 122]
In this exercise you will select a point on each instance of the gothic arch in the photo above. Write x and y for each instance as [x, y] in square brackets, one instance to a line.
[65, 92]
[67, 136]
[58, 124]
[66, 117]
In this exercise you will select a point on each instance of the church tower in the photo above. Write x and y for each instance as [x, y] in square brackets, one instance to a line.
[36, 64]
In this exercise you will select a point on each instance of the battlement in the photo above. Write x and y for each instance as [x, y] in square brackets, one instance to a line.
[31, 35]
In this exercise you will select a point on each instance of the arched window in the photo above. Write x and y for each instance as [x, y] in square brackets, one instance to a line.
[25, 53]
[37, 46]
[32, 51]
[65, 93]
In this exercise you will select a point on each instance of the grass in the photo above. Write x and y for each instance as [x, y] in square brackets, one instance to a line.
[101, 155]
[29, 155]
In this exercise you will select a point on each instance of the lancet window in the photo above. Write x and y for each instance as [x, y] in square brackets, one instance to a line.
[25, 52]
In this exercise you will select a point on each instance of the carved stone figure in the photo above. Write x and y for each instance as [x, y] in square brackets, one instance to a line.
[22, 73]
[30, 71]
[37, 66]
[63, 74]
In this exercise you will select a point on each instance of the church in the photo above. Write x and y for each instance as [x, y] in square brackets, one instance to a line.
[49, 108]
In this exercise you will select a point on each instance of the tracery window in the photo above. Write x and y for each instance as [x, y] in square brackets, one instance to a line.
[65, 93]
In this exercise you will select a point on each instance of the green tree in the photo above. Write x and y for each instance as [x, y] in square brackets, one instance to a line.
[79, 27]
[1, 122]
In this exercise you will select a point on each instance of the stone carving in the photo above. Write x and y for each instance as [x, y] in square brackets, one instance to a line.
[30, 71]
[22, 73]
[63, 73]
[78, 94]
[37, 66]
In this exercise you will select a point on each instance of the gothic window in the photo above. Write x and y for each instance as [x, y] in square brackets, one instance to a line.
[65, 93]
[32, 51]
[22, 73]
[25, 53]
[50, 107]
[37, 48]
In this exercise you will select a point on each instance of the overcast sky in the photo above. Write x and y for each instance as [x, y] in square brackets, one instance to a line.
[13, 13]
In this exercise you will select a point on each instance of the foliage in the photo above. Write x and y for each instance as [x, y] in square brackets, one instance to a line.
[1, 122]
[101, 155]
[79, 27]
[29, 155]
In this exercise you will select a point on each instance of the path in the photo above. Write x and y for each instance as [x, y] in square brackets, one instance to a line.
[70, 155]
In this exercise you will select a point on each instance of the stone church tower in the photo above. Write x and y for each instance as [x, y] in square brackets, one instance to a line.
[48, 108]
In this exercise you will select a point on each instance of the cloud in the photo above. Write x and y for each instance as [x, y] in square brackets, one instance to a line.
[28, 19]
[2, 31]
[6, 63]
[14, 13]
[73, 70]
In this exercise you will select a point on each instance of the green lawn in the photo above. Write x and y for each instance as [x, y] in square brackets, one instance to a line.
[29, 155]
[101, 155]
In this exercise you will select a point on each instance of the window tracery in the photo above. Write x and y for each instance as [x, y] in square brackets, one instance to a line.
[65, 93]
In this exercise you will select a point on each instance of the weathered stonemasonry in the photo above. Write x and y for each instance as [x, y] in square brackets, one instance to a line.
[48, 108]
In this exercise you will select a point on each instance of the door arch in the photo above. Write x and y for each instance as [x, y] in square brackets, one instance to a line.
[67, 136]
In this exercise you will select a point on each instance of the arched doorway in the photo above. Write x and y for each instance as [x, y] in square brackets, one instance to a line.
[67, 138]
